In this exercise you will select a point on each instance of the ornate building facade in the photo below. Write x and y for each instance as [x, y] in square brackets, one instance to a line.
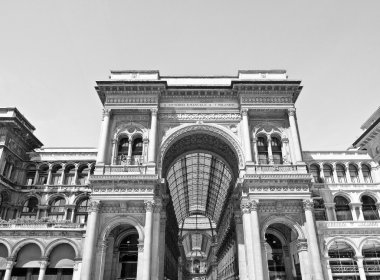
[193, 178]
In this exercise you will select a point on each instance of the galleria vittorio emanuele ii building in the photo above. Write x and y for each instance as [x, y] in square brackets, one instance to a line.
[193, 178]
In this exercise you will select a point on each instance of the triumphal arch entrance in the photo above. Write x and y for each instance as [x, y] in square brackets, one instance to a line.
[200, 178]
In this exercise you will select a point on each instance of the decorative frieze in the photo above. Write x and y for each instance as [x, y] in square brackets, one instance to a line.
[199, 116]
[269, 99]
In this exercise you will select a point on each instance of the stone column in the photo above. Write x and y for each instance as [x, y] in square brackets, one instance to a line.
[359, 260]
[101, 157]
[360, 173]
[348, 177]
[287, 263]
[35, 180]
[353, 211]
[129, 155]
[264, 258]
[156, 240]
[90, 241]
[77, 269]
[74, 182]
[313, 242]
[328, 267]
[161, 256]
[240, 247]
[335, 176]
[62, 179]
[330, 211]
[114, 151]
[294, 132]
[256, 242]
[8, 268]
[43, 266]
[285, 151]
[321, 174]
[245, 211]
[270, 153]
[304, 259]
[101, 256]
[89, 173]
[245, 128]
[255, 151]
[153, 137]
[149, 207]
[140, 260]
[48, 181]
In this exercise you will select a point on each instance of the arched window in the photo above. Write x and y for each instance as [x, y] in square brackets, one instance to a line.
[123, 147]
[342, 260]
[128, 253]
[56, 175]
[353, 173]
[69, 175]
[262, 149]
[366, 170]
[276, 150]
[342, 209]
[315, 172]
[30, 174]
[57, 209]
[30, 208]
[8, 168]
[328, 173]
[83, 175]
[81, 211]
[319, 210]
[43, 174]
[369, 208]
[341, 173]
[137, 147]
[371, 262]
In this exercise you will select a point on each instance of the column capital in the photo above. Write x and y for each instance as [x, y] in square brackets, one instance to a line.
[154, 111]
[149, 205]
[245, 206]
[254, 205]
[140, 247]
[329, 204]
[237, 216]
[44, 263]
[95, 206]
[10, 263]
[301, 245]
[308, 204]
[292, 112]
[244, 112]
[106, 112]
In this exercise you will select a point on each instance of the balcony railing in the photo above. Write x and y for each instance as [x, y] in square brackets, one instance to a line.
[346, 186]
[347, 224]
[38, 224]
[346, 268]
[265, 168]
[372, 267]
[120, 169]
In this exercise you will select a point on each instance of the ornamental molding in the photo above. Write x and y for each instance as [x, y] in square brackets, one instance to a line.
[199, 116]
[211, 129]
[268, 88]
[133, 100]
[43, 233]
[270, 99]
[279, 189]
[124, 190]
[132, 179]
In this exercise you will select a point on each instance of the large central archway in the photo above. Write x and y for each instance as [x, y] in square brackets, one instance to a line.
[200, 167]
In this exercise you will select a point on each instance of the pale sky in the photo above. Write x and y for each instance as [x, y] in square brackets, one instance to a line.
[52, 52]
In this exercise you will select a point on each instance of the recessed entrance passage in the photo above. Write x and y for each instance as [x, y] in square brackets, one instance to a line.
[200, 171]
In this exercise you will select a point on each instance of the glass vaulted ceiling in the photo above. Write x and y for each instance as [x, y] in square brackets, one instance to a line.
[198, 184]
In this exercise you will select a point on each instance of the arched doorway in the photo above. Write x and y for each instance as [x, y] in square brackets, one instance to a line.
[61, 263]
[283, 260]
[122, 254]
[200, 169]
